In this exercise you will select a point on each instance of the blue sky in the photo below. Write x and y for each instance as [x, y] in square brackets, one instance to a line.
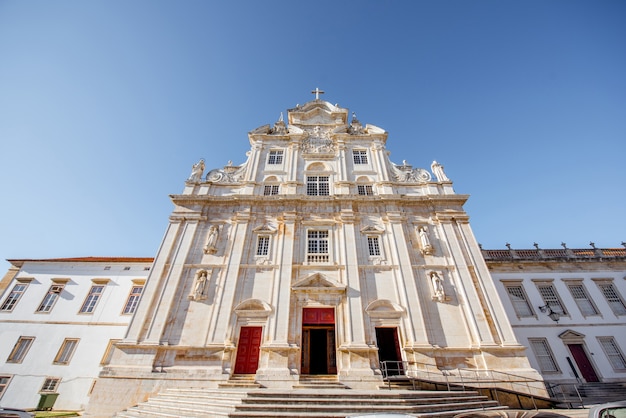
[105, 105]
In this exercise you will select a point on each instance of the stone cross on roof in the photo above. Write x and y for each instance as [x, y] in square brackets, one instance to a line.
[317, 93]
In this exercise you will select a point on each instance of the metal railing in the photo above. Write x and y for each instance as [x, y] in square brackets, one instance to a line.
[492, 380]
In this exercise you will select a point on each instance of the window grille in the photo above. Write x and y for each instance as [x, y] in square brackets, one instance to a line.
[15, 295]
[317, 247]
[519, 301]
[613, 298]
[20, 349]
[544, 355]
[270, 190]
[359, 156]
[365, 189]
[92, 299]
[551, 298]
[613, 353]
[263, 245]
[65, 352]
[582, 299]
[50, 384]
[373, 245]
[133, 300]
[275, 157]
[317, 186]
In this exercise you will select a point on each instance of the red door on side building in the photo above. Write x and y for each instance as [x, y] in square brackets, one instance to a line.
[583, 363]
[248, 350]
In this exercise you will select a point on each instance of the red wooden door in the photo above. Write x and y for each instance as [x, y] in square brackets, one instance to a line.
[583, 363]
[248, 350]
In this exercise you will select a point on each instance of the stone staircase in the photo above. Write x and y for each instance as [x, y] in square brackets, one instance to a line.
[306, 403]
[595, 393]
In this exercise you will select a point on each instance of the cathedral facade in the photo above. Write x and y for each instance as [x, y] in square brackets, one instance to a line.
[317, 256]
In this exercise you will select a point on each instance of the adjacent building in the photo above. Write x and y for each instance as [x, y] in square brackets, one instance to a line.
[59, 319]
[567, 306]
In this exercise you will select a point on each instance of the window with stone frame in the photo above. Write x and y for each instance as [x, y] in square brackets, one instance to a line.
[373, 245]
[20, 349]
[270, 189]
[4, 383]
[263, 245]
[275, 157]
[317, 185]
[551, 298]
[13, 297]
[133, 300]
[66, 351]
[317, 246]
[543, 354]
[359, 156]
[50, 384]
[613, 298]
[519, 301]
[613, 353]
[365, 189]
[92, 298]
[582, 299]
[51, 298]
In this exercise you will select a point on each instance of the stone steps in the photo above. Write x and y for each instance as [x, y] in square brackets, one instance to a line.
[320, 403]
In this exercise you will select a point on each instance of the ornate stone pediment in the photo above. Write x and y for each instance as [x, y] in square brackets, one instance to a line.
[384, 308]
[371, 229]
[264, 229]
[228, 174]
[405, 173]
[318, 112]
[572, 336]
[253, 308]
[317, 282]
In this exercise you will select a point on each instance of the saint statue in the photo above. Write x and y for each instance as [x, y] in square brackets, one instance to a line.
[438, 171]
[211, 243]
[196, 171]
[199, 283]
[437, 282]
[425, 244]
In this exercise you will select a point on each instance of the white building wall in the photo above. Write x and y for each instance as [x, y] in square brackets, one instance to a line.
[93, 330]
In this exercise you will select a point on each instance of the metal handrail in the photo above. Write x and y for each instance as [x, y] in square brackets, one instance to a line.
[474, 378]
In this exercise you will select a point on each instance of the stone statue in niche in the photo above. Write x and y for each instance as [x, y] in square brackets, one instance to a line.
[199, 284]
[438, 171]
[439, 293]
[211, 242]
[196, 171]
[425, 244]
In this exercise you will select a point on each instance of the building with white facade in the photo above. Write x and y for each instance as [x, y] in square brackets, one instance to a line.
[568, 307]
[316, 256]
[58, 321]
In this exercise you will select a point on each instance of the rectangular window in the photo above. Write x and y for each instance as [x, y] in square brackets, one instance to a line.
[551, 298]
[579, 293]
[317, 247]
[133, 300]
[544, 355]
[263, 245]
[613, 298]
[373, 246]
[92, 298]
[359, 156]
[15, 295]
[66, 351]
[20, 349]
[51, 298]
[317, 186]
[270, 190]
[519, 301]
[50, 384]
[4, 384]
[613, 353]
[365, 189]
[275, 157]
[108, 352]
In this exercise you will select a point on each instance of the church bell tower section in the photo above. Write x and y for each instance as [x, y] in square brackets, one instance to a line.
[316, 256]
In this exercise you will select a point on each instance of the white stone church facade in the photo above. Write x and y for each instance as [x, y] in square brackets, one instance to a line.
[316, 256]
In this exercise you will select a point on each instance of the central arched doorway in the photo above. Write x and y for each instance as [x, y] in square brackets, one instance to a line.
[318, 341]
